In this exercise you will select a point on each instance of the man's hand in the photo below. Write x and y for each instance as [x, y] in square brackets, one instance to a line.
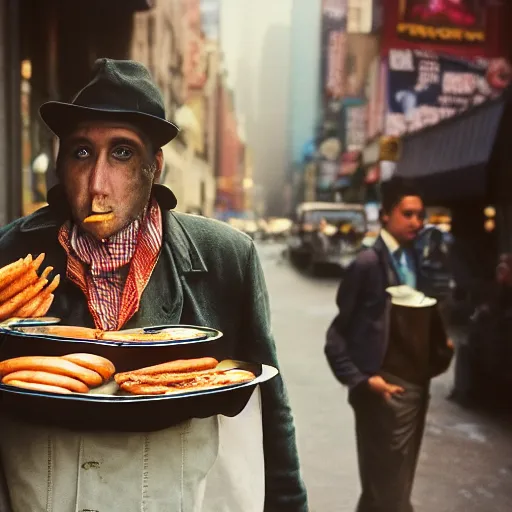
[378, 385]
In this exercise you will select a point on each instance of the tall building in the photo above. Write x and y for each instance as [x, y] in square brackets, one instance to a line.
[255, 40]
[170, 41]
[304, 97]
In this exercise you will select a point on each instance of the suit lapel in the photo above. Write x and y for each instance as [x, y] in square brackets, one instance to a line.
[388, 269]
[168, 293]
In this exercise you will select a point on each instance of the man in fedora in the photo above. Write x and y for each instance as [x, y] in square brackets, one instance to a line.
[146, 265]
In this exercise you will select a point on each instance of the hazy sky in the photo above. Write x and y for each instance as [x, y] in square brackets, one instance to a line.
[255, 38]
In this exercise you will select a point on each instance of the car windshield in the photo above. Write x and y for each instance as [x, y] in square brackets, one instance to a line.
[337, 217]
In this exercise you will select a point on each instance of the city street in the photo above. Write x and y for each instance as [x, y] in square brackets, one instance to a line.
[466, 461]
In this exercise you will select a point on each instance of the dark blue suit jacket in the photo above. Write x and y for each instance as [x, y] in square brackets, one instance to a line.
[357, 339]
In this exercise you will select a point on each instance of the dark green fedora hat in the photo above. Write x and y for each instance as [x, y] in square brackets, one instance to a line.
[120, 90]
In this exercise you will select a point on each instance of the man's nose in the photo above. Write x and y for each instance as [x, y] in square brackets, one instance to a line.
[98, 183]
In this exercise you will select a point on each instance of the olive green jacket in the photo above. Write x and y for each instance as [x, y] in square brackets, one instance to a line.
[207, 274]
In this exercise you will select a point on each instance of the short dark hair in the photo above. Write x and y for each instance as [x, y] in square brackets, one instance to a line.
[394, 190]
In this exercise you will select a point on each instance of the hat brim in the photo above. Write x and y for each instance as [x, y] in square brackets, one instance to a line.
[61, 118]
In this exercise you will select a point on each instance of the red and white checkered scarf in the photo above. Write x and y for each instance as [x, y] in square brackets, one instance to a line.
[114, 273]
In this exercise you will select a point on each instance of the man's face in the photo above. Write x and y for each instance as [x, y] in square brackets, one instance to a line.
[107, 167]
[405, 221]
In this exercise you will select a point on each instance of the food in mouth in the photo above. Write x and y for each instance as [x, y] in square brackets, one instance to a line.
[99, 217]
[180, 376]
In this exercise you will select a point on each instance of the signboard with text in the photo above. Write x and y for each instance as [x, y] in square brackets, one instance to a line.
[424, 88]
[332, 80]
[334, 26]
[442, 21]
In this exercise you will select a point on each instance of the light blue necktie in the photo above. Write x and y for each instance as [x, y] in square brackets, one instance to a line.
[404, 268]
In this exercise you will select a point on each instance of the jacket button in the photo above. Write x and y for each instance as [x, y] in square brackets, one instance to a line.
[90, 465]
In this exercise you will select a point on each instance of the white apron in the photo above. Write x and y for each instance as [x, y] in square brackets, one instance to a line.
[202, 465]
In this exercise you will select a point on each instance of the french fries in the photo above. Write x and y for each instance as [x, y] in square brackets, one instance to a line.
[99, 217]
[23, 292]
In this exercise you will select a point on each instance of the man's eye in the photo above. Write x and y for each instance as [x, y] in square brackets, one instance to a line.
[122, 153]
[82, 153]
[408, 214]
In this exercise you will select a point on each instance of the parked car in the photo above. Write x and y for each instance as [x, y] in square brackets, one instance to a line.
[275, 228]
[247, 223]
[326, 233]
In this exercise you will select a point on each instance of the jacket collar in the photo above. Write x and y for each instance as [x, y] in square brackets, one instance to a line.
[187, 256]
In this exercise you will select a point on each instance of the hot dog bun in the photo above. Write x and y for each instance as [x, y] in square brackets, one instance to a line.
[174, 333]
[56, 365]
[64, 331]
[178, 366]
[39, 387]
[162, 378]
[46, 378]
[164, 384]
[93, 362]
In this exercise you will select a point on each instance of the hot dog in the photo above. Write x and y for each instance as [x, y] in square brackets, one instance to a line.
[64, 331]
[203, 380]
[49, 379]
[56, 365]
[162, 378]
[178, 366]
[39, 387]
[93, 362]
[175, 333]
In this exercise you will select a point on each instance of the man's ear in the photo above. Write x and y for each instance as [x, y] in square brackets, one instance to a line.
[159, 159]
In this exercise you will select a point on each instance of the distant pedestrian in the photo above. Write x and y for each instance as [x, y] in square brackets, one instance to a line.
[388, 373]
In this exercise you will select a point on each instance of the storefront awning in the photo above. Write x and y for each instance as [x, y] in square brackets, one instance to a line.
[449, 160]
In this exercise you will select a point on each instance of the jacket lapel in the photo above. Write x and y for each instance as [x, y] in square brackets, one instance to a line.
[388, 269]
[164, 299]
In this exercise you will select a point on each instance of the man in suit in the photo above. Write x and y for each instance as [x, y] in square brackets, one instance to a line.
[388, 379]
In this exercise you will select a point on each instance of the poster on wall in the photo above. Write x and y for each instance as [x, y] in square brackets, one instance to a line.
[334, 34]
[327, 174]
[334, 47]
[376, 94]
[442, 21]
[364, 16]
[356, 118]
[424, 88]
[362, 49]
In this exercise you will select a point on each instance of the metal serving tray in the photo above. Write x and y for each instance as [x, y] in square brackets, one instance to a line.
[209, 334]
[99, 411]
[126, 356]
